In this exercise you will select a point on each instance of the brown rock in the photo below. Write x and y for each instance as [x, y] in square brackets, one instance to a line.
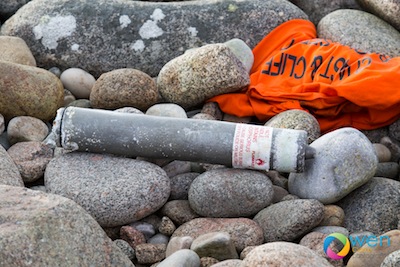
[26, 128]
[131, 235]
[333, 216]
[124, 88]
[207, 261]
[167, 226]
[15, 50]
[31, 159]
[30, 91]
[179, 211]
[150, 253]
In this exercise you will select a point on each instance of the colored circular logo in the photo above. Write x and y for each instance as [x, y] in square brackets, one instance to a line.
[342, 239]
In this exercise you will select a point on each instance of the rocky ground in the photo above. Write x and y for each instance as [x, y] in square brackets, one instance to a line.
[63, 208]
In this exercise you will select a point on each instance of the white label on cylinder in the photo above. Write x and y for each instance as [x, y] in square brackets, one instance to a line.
[252, 147]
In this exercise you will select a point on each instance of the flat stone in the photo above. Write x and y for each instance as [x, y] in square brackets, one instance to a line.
[26, 128]
[31, 159]
[199, 74]
[39, 229]
[284, 254]
[181, 258]
[344, 160]
[124, 87]
[373, 253]
[78, 82]
[360, 30]
[298, 120]
[288, 220]
[138, 34]
[244, 232]
[15, 49]
[114, 190]
[317, 9]
[373, 207]
[230, 193]
[32, 91]
[387, 10]
[9, 173]
[217, 245]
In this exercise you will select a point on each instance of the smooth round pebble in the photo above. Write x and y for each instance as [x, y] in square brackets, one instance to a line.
[203, 116]
[344, 160]
[150, 253]
[394, 147]
[212, 109]
[26, 128]
[284, 254]
[387, 170]
[217, 245]
[178, 243]
[288, 220]
[114, 190]
[158, 239]
[31, 159]
[68, 98]
[124, 88]
[382, 152]
[298, 120]
[181, 258]
[129, 110]
[242, 51]
[230, 193]
[392, 260]
[78, 82]
[388, 10]
[147, 229]
[179, 211]
[228, 263]
[167, 110]
[80, 103]
[279, 193]
[14, 49]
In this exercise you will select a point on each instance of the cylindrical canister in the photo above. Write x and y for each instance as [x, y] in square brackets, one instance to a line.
[132, 135]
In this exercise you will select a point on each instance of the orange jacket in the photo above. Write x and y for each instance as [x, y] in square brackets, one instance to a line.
[339, 85]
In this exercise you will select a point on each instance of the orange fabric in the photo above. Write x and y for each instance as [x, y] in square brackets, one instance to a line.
[339, 85]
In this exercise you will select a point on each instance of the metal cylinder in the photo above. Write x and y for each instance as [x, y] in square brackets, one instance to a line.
[231, 144]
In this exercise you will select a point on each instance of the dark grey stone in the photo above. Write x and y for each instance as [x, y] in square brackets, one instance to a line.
[101, 35]
[230, 193]
[317, 9]
[388, 10]
[39, 229]
[373, 207]
[115, 191]
[180, 185]
[9, 7]
[388, 170]
[288, 220]
[360, 30]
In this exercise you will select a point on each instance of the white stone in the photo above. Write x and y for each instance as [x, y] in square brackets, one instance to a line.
[78, 82]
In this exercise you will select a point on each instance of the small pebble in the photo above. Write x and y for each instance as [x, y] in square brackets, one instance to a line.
[180, 185]
[68, 98]
[177, 167]
[333, 216]
[167, 110]
[279, 193]
[129, 110]
[246, 251]
[393, 146]
[56, 71]
[203, 116]
[179, 211]
[167, 226]
[125, 248]
[382, 152]
[212, 109]
[31, 159]
[208, 261]
[80, 103]
[158, 239]
[145, 228]
[392, 260]
[150, 253]
[387, 170]
[132, 236]
[78, 82]
[228, 263]
[26, 128]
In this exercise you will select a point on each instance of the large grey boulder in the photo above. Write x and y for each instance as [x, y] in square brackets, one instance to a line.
[101, 35]
[39, 229]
